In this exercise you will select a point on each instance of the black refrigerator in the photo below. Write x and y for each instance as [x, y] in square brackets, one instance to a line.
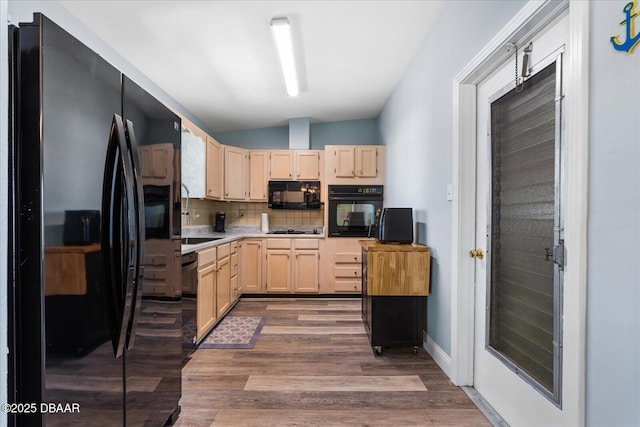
[95, 293]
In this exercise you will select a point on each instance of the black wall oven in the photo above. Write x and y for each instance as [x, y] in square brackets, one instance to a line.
[352, 209]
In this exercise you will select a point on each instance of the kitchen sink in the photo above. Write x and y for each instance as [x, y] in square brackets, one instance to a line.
[198, 240]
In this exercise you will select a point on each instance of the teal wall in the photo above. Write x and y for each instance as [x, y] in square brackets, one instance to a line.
[274, 138]
[613, 278]
[416, 125]
[348, 132]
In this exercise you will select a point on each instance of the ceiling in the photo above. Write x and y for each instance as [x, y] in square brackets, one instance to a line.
[218, 60]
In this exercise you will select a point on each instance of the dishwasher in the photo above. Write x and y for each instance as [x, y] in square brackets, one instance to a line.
[189, 274]
[189, 293]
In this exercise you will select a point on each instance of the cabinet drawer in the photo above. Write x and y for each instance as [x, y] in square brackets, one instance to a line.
[347, 271]
[307, 244]
[155, 259]
[234, 264]
[223, 251]
[206, 257]
[347, 258]
[348, 286]
[234, 246]
[278, 243]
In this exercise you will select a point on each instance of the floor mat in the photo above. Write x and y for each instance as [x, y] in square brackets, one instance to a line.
[233, 332]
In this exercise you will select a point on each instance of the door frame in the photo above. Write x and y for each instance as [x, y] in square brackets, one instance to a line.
[532, 18]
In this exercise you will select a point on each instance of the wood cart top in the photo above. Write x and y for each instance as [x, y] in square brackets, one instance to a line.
[373, 246]
[397, 270]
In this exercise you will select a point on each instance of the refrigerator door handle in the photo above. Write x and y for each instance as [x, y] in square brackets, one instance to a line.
[138, 211]
[117, 229]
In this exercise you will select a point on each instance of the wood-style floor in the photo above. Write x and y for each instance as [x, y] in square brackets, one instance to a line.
[313, 366]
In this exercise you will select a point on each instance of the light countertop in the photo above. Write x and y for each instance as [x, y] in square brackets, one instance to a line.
[237, 233]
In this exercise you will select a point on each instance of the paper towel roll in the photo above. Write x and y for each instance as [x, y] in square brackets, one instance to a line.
[265, 223]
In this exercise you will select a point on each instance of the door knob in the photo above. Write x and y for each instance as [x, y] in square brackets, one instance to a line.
[476, 253]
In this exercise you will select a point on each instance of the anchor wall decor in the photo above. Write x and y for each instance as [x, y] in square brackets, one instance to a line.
[632, 37]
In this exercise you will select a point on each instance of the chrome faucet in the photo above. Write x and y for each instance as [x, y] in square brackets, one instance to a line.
[186, 207]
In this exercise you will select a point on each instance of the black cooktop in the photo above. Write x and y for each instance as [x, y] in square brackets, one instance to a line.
[292, 232]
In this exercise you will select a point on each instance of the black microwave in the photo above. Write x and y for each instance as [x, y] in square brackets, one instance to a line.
[294, 194]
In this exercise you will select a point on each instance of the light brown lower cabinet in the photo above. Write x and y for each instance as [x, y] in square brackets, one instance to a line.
[306, 265]
[343, 265]
[278, 270]
[206, 314]
[251, 257]
[217, 285]
[293, 265]
[306, 270]
[223, 286]
[236, 291]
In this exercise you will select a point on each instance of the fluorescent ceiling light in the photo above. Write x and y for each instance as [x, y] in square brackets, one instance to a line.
[281, 30]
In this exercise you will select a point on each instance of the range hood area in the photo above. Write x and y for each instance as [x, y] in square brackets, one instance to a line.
[299, 134]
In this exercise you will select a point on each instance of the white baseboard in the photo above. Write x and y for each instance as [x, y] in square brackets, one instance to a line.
[438, 355]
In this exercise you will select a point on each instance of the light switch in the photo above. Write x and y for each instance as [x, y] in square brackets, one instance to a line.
[449, 192]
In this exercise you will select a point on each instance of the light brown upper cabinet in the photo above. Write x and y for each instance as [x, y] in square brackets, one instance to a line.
[215, 169]
[281, 165]
[355, 163]
[235, 176]
[258, 175]
[307, 165]
[366, 162]
[287, 165]
[344, 162]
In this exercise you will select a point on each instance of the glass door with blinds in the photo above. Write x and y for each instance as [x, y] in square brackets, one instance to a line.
[525, 242]
[519, 250]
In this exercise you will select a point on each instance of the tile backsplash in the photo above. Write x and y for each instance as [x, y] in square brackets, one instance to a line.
[203, 212]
